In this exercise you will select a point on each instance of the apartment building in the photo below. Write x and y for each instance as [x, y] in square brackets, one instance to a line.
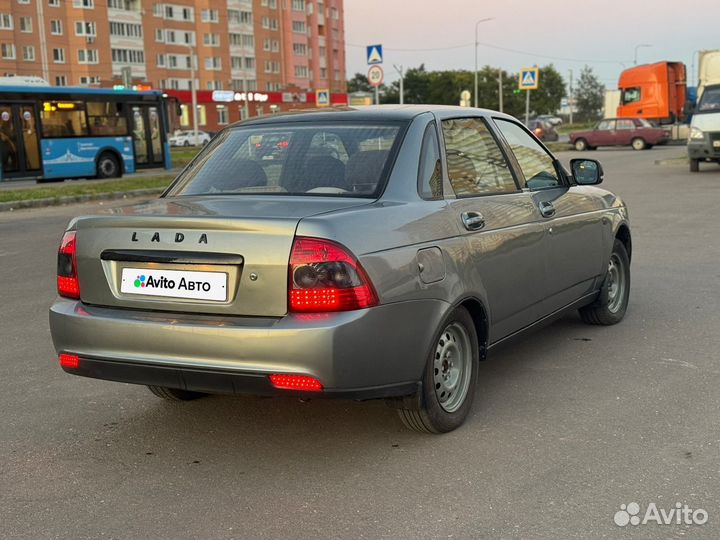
[262, 50]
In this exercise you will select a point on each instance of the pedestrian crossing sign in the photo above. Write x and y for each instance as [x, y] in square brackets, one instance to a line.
[529, 79]
[374, 54]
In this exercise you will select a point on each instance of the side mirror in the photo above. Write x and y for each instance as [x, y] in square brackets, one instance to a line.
[586, 172]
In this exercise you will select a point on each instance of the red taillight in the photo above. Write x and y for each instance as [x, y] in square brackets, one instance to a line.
[324, 276]
[67, 279]
[70, 361]
[296, 382]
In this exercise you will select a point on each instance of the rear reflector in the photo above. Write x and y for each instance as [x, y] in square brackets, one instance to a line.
[70, 361]
[296, 382]
[68, 284]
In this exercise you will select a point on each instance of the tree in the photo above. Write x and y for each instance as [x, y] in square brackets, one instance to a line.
[590, 95]
[417, 87]
[359, 83]
[546, 99]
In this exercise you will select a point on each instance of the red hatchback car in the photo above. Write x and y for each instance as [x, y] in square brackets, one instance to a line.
[635, 132]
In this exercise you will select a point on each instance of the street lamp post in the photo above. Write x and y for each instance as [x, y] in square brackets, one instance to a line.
[193, 92]
[636, 51]
[475, 99]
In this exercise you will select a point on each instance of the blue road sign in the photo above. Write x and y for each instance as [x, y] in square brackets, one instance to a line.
[374, 54]
[529, 79]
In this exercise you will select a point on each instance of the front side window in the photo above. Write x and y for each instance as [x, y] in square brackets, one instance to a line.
[538, 167]
[475, 163]
[347, 160]
[630, 95]
[606, 125]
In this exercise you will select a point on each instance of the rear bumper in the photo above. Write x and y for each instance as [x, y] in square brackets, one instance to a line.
[364, 354]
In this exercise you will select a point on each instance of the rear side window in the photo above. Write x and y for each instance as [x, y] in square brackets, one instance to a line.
[475, 163]
[625, 124]
[349, 160]
[430, 169]
[537, 165]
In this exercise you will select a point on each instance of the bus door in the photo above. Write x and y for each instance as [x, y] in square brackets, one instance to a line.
[19, 142]
[147, 134]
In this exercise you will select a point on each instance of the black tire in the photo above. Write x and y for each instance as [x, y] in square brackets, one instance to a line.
[175, 394]
[610, 309]
[186, 143]
[638, 144]
[694, 165]
[108, 166]
[424, 412]
[581, 145]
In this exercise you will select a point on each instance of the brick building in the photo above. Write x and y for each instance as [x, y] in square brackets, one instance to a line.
[278, 53]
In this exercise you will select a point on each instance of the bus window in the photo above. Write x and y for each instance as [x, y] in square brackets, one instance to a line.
[106, 119]
[63, 119]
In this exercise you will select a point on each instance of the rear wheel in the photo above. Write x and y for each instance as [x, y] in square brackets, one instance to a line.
[638, 144]
[694, 165]
[449, 381]
[581, 145]
[611, 305]
[186, 143]
[175, 394]
[108, 166]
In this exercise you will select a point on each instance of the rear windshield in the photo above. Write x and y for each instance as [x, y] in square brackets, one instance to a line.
[710, 100]
[343, 159]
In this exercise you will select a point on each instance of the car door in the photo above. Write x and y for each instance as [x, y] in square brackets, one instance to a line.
[501, 226]
[604, 135]
[574, 220]
[625, 131]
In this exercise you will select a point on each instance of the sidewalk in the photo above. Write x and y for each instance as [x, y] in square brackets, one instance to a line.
[32, 184]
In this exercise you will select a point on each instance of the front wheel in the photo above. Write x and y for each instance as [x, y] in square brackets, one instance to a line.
[581, 145]
[638, 144]
[108, 166]
[449, 380]
[611, 305]
[694, 165]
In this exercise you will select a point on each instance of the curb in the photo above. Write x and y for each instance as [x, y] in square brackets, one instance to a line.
[58, 201]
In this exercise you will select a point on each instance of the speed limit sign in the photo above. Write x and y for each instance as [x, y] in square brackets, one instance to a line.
[375, 76]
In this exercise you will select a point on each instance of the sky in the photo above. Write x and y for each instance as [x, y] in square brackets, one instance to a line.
[568, 34]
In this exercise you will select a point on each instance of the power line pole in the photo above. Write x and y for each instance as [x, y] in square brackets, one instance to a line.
[402, 89]
[571, 100]
[500, 89]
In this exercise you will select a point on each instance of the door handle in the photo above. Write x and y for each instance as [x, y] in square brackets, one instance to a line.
[473, 221]
[546, 209]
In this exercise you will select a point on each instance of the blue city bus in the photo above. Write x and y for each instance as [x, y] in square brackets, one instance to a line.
[53, 133]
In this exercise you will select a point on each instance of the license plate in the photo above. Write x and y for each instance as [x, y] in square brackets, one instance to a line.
[716, 144]
[175, 284]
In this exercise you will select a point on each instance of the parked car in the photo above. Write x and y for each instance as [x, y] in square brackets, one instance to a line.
[543, 130]
[553, 120]
[187, 138]
[362, 262]
[635, 132]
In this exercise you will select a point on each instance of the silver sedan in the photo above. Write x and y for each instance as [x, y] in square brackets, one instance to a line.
[378, 252]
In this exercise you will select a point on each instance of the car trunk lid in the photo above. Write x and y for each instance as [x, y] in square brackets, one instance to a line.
[225, 254]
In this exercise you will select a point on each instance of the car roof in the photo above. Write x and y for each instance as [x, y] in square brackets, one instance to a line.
[366, 113]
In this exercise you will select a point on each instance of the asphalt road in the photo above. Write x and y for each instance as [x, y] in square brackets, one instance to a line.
[568, 424]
